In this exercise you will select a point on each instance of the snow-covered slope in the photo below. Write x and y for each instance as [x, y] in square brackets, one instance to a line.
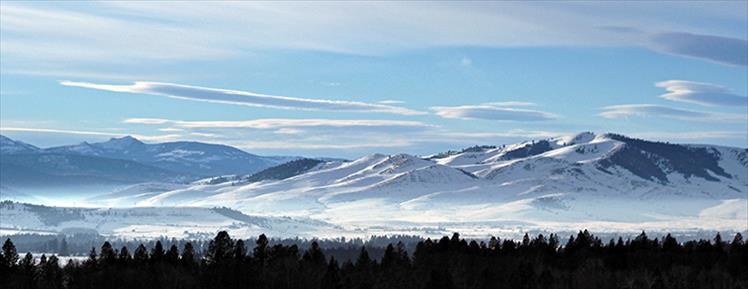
[601, 181]
[583, 177]
[154, 222]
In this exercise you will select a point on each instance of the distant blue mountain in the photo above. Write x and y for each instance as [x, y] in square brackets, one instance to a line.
[123, 160]
[194, 158]
[9, 146]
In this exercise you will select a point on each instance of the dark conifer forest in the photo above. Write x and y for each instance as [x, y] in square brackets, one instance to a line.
[582, 261]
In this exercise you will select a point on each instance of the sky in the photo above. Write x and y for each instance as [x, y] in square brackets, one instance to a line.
[347, 79]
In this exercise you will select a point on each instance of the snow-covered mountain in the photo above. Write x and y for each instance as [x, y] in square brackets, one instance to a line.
[195, 158]
[604, 182]
[604, 178]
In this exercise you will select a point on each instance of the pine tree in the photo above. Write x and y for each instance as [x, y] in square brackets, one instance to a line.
[240, 251]
[27, 263]
[363, 261]
[141, 255]
[718, 243]
[10, 255]
[124, 255]
[107, 255]
[219, 249]
[157, 254]
[92, 259]
[188, 255]
[260, 250]
[172, 256]
[738, 240]
[331, 279]
[314, 255]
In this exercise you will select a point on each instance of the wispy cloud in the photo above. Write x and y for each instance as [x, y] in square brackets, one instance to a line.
[725, 50]
[653, 110]
[357, 135]
[108, 31]
[391, 101]
[494, 111]
[237, 97]
[275, 123]
[701, 93]
[514, 133]
[155, 138]
[692, 135]
[295, 145]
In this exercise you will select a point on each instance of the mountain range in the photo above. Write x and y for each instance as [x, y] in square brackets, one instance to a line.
[604, 182]
[124, 160]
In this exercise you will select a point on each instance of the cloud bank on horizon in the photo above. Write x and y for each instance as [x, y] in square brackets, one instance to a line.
[417, 77]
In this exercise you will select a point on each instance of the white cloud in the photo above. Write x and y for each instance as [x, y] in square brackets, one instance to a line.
[294, 145]
[154, 138]
[505, 134]
[719, 49]
[331, 135]
[275, 123]
[653, 110]
[122, 31]
[170, 129]
[147, 120]
[494, 111]
[701, 93]
[237, 97]
[391, 101]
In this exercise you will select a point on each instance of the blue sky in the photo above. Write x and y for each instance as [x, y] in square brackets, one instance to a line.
[346, 79]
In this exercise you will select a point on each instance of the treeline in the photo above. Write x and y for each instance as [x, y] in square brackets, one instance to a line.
[341, 248]
[583, 261]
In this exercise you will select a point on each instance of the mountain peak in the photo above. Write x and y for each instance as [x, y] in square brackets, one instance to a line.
[8, 145]
[121, 142]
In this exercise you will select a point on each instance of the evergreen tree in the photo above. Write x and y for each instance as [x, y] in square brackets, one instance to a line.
[92, 259]
[157, 254]
[141, 255]
[107, 255]
[331, 279]
[124, 255]
[10, 255]
[314, 255]
[260, 250]
[172, 256]
[219, 249]
[188, 255]
[240, 250]
[738, 240]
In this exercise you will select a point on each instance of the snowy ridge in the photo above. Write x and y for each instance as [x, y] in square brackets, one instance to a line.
[603, 181]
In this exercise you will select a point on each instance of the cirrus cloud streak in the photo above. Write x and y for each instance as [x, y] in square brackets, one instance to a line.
[494, 111]
[653, 110]
[238, 97]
